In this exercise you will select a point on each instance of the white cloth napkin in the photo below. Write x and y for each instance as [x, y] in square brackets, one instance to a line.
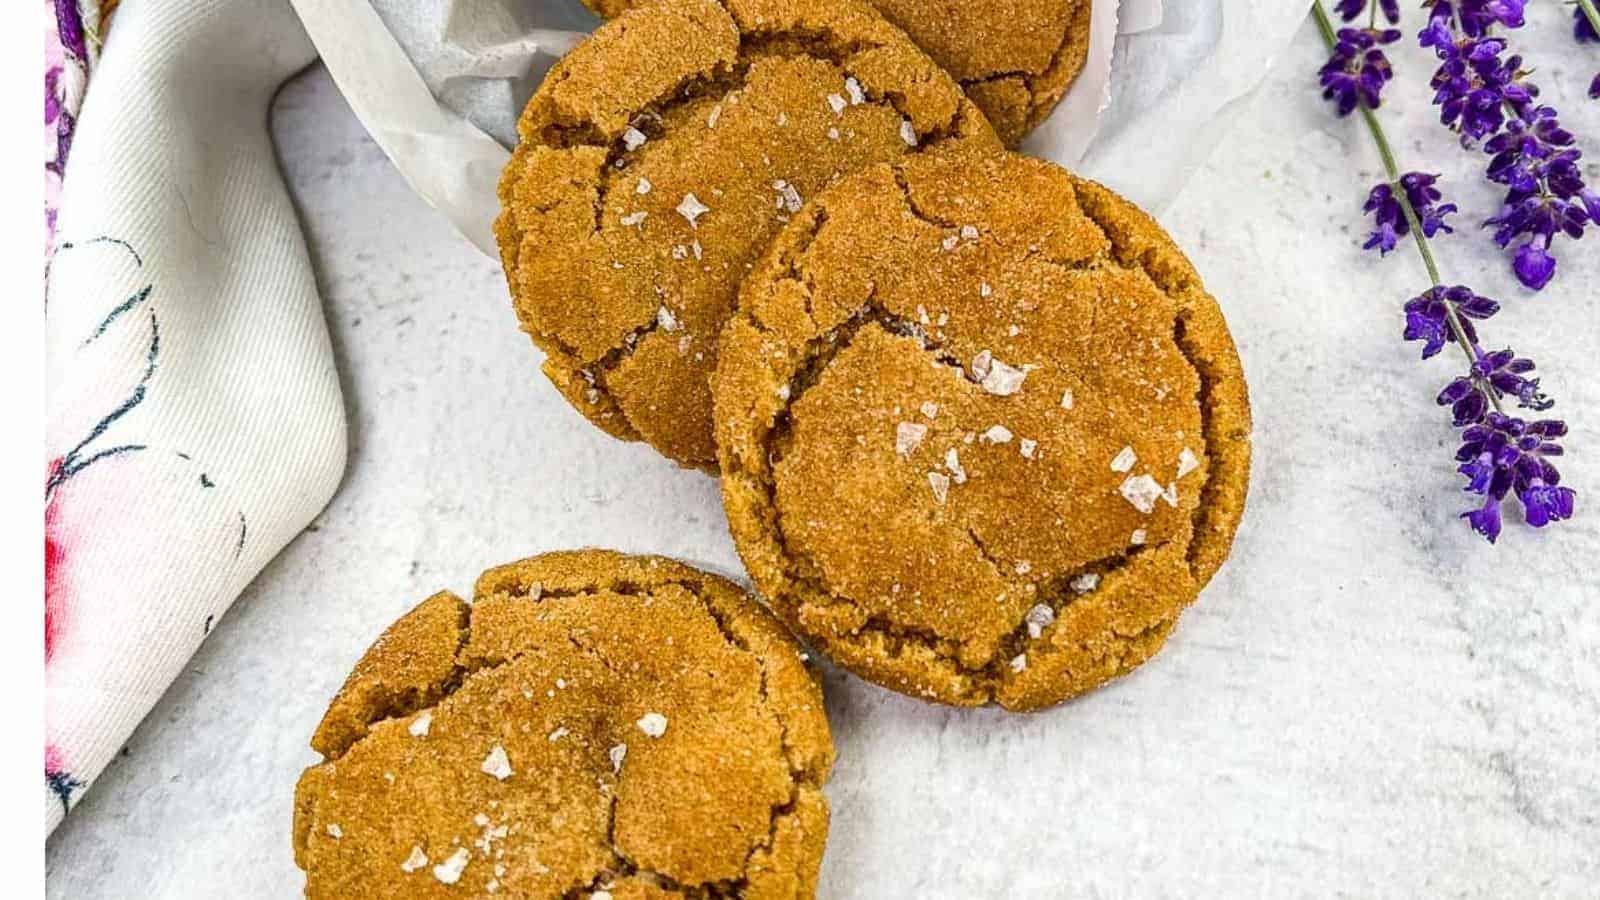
[195, 423]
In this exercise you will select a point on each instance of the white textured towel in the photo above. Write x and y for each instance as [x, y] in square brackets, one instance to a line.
[195, 423]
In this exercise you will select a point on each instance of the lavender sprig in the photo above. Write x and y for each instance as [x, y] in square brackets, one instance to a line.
[1499, 455]
[1484, 95]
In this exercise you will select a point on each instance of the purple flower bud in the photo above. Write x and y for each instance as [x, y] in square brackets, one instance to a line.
[1545, 503]
[1533, 265]
[1357, 70]
[1582, 29]
[1428, 321]
[1390, 219]
[1486, 519]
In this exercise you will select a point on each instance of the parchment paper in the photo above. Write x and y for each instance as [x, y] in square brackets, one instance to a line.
[439, 84]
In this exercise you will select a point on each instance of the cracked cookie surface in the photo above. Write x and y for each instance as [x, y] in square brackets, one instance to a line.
[658, 158]
[591, 724]
[983, 433]
[1015, 58]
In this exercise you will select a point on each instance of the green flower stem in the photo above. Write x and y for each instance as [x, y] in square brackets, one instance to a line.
[1415, 224]
[1590, 13]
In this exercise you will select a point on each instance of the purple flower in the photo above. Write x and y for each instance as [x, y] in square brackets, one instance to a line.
[1473, 86]
[1350, 9]
[1476, 17]
[1582, 29]
[1358, 69]
[1390, 219]
[1427, 317]
[1594, 88]
[1501, 454]
[1467, 403]
[1506, 372]
[1546, 194]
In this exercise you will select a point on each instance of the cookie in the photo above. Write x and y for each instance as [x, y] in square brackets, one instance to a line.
[1015, 58]
[983, 433]
[591, 725]
[658, 158]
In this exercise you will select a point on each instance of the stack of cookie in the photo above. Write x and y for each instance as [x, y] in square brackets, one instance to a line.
[982, 436]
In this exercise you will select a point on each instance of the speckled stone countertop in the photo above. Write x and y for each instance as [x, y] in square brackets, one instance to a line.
[1368, 701]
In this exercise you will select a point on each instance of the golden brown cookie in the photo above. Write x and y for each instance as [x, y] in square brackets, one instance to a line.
[659, 157]
[1015, 58]
[591, 723]
[983, 433]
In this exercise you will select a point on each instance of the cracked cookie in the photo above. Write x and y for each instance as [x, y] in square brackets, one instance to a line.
[659, 157]
[591, 725]
[983, 433]
[1015, 58]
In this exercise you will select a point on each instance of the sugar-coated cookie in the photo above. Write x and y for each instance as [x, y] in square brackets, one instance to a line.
[592, 725]
[1015, 58]
[658, 158]
[983, 433]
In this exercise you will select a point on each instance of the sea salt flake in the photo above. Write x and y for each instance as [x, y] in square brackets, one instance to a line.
[1066, 399]
[633, 138]
[1019, 662]
[666, 319]
[1023, 567]
[449, 871]
[907, 435]
[1170, 494]
[1137, 538]
[497, 764]
[1187, 462]
[1141, 491]
[559, 733]
[711, 120]
[1124, 460]
[984, 290]
[788, 196]
[852, 87]
[1039, 618]
[997, 434]
[952, 461]
[908, 133]
[950, 242]
[969, 232]
[699, 252]
[1083, 584]
[833, 134]
[940, 483]
[691, 208]
[783, 119]
[415, 861]
[600, 895]
[1027, 447]
[1003, 380]
[634, 218]
[653, 724]
[981, 364]
[420, 725]
[617, 754]
[334, 831]
[837, 103]
[930, 409]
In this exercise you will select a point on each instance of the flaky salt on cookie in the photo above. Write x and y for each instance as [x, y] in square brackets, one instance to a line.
[1016, 59]
[983, 433]
[659, 157]
[591, 724]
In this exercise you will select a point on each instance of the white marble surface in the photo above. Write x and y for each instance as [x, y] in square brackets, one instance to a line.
[1368, 701]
